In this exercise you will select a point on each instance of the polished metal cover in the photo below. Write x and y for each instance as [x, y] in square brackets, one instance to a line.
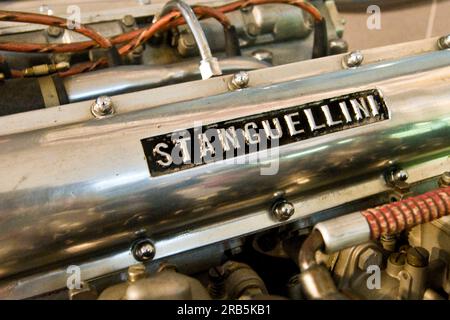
[237, 137]
[82, 189]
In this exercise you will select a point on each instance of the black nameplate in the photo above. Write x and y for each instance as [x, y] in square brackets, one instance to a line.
[192, 147]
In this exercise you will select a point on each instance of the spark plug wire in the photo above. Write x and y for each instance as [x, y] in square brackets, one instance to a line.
[37, 18]
[132, 39]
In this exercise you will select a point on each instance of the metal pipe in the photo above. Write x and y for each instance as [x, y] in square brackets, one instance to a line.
[307, 254]
[75, 190]
[351, 230]
[359, 227]
[209, 65]
[122, 79]
[316, 280]
[343, 232]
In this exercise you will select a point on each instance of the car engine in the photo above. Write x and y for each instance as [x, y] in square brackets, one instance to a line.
[220, 150]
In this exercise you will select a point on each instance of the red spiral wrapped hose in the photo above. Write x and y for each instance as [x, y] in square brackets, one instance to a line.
[397, 216]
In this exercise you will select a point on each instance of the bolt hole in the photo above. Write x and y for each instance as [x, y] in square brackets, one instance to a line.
[394, 199]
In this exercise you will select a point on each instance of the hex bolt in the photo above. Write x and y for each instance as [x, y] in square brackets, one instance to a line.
[54, 31]
[396, 176]
[283, 210]
[143, 250]
[445, 179]
[353, 59]
[102, 107]
[444, 42]
[239, 81]
[128, 20]
[136, 272]
[417, 257]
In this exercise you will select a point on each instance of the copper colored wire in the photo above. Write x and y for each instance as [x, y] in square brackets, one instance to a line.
[134, 38]
[148, 33]
[65, 47]
[87, 45]
[172, 19]
[306, 6]
[218, 13]
[56, 22]
[84, 67]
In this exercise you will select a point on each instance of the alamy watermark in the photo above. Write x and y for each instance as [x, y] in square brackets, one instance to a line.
[74, 277]
[373, 281]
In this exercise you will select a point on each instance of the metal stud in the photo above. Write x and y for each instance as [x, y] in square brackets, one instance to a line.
[444, 42]
[239, 81]
[143, 250]
[283, 210]
[102, 107]
[353, 59]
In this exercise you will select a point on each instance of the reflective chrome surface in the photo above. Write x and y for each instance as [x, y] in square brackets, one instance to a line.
[172, 244]
[78, 112]
[344, 232]
[113, 81]
[78, 189]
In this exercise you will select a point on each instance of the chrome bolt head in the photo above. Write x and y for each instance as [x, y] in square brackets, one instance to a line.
[143, 250]
[102, 107]
[283, 210]
[239, 80]
[401, 175]
[353, 59]
[444, 42]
